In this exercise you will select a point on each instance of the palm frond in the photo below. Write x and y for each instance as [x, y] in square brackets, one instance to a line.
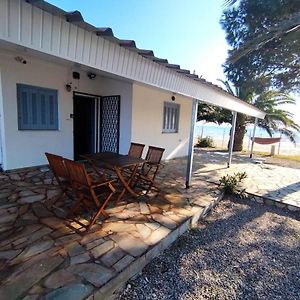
[227, 86]
[289, 134]
[266, 128]
[228, 3]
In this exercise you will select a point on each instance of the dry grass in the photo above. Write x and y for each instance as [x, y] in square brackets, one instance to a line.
[281, 156]
[290, 157]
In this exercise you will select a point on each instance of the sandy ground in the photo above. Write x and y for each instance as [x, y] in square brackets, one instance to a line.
[285, 147]
[243, 250]
[268, 159]
[282, 162]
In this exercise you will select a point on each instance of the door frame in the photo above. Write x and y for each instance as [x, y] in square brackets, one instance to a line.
[97, 99]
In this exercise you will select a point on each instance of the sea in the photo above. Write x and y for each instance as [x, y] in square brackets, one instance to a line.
[220, 135]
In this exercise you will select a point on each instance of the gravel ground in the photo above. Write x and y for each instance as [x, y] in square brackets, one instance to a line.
[243, 250]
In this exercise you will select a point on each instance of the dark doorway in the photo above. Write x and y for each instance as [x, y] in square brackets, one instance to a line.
[84, 125]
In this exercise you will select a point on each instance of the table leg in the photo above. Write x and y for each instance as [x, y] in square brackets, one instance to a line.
[126, 183]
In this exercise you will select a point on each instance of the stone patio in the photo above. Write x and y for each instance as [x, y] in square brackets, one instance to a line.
[43, 256]
[268, 181]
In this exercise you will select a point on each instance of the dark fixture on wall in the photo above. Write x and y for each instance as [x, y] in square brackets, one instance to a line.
[68, 87]
[76, 75]
[173, 98]
[91, 75]
[21, 60]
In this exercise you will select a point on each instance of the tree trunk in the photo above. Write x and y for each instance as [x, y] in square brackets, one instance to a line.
[240, 131]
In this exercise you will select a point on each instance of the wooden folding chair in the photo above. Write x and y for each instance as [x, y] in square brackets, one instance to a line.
[147, 174]
[136, 150]
[89, 191]
[60, 173]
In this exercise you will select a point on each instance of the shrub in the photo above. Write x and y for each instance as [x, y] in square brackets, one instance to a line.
[231, 184]
[206, 142]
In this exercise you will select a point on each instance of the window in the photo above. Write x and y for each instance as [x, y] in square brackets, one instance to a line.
[171, 117]
[37, 108]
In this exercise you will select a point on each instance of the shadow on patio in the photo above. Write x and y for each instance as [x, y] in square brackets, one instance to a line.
[42, 254]
[269, 181]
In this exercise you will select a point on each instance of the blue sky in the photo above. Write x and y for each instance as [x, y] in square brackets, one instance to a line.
[187, 33]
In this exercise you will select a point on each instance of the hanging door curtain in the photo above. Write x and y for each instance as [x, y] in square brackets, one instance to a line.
[265, 141]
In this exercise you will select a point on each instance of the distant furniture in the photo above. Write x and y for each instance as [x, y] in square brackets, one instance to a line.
[89, 191]
[60, 173]
[136, 150]
[266, 141]
[117, 162]
[146, 175]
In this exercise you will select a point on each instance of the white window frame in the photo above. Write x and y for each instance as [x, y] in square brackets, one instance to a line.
[171, 114]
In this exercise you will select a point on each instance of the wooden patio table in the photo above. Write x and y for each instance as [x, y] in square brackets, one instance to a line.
[116, 162]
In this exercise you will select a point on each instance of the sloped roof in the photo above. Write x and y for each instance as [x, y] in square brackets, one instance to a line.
[33, 29]
[76, 18]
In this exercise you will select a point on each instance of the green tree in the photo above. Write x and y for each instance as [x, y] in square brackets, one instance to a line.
[284, 27]
[263, 54]
[263, 62]
[276, 120]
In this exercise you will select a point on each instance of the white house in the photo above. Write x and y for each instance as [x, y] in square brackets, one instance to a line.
[70, 88]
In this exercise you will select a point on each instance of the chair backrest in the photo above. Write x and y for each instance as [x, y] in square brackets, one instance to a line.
[136, 150]
[154, 154]
[77, 173]
[57, 166]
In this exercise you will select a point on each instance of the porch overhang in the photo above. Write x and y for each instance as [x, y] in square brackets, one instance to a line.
[40, 26]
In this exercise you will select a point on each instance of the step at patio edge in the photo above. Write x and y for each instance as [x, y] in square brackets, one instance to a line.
[115, 284]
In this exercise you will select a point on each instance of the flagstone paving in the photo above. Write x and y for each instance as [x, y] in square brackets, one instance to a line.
[277, 183]
[269, 181]
[43, 255]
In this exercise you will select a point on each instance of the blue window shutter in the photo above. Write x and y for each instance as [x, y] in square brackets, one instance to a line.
[34, 109]
[23, 107]
[43, 110]
[37, 108]
[55, 104]
[51, 110]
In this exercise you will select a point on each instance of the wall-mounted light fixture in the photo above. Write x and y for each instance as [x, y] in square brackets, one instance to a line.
[76, 75]
[173, 98]
[21, 60]
[68, 87]
[91, 75]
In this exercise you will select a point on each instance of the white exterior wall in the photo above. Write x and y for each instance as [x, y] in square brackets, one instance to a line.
[22, 148]
[28, 26]
[147, 120]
